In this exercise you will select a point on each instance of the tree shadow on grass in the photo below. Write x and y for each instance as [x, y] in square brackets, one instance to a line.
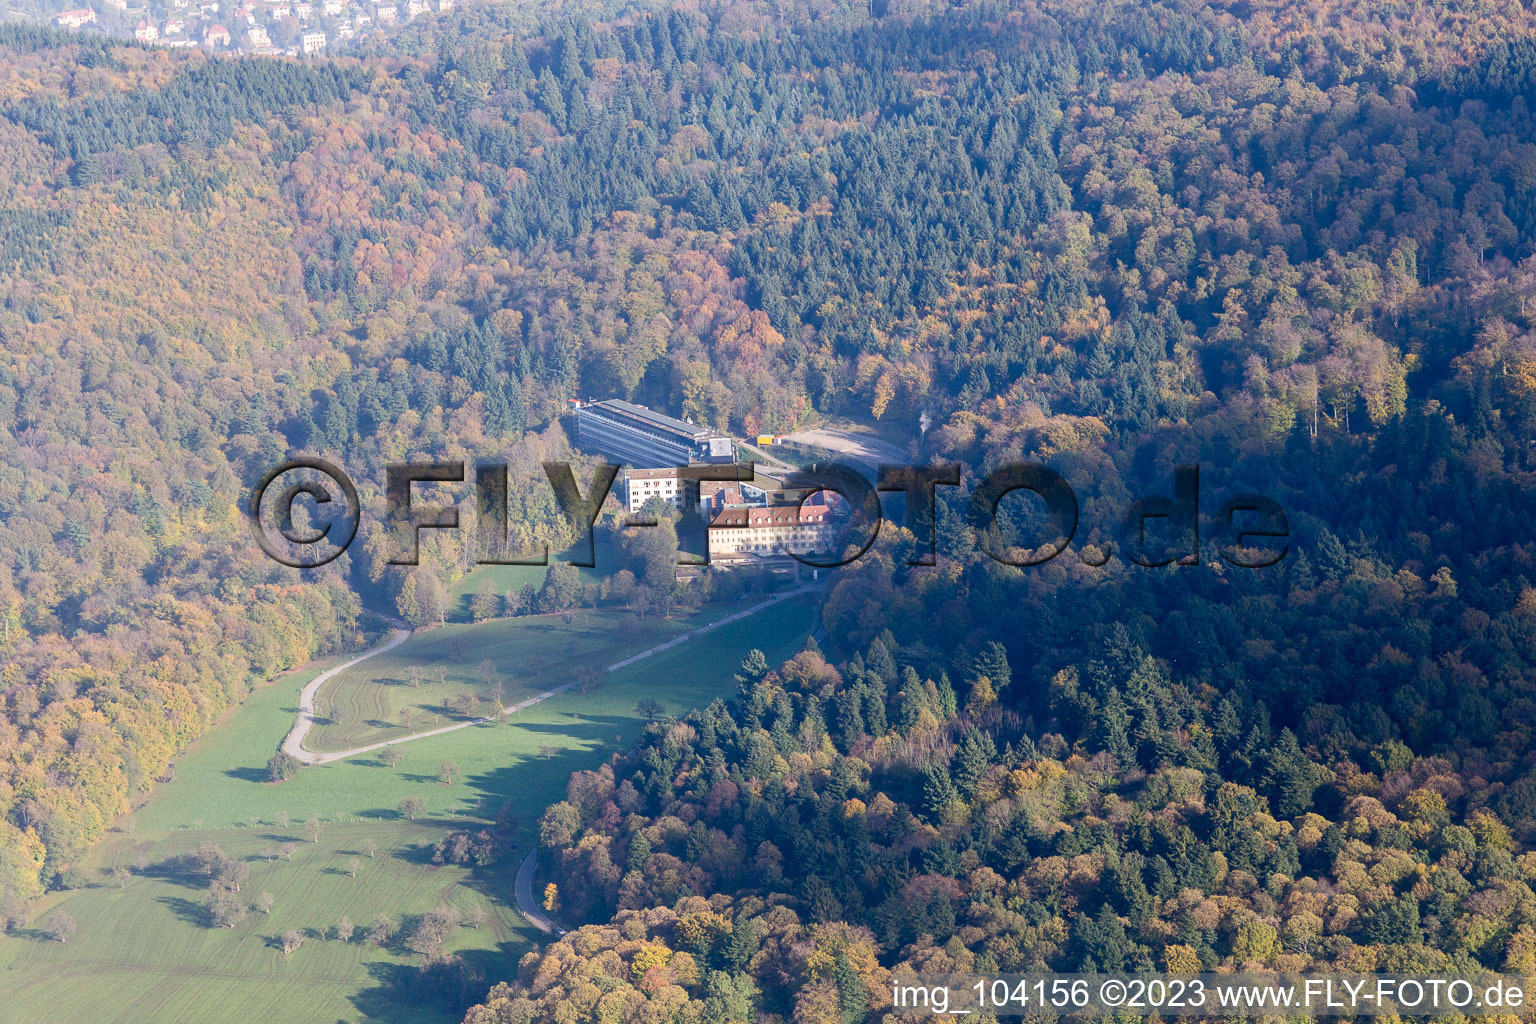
[32, 934]
[177, 871]
[401, 991]
[419, 854]
[247, 774]
[188, 910]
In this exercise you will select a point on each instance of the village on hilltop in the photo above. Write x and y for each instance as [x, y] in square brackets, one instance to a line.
[264, 27]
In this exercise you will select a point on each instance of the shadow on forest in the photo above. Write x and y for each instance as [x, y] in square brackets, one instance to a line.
[454, 985]
[400, 990]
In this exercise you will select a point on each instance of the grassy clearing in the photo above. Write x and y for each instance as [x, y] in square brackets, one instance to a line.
[503, 578]
[143, 955]
[529, 655]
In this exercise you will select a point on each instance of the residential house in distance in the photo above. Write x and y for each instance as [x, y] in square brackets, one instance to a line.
[184, 23]
[75, 18]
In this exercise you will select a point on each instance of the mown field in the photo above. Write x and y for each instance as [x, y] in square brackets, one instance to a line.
[503, 578]
[143, 952]
[416, 686]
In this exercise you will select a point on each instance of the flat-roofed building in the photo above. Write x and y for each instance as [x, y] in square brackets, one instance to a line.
[641, 437]
[641, 485]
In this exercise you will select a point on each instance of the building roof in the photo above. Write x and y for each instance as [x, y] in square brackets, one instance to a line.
[815, 511]
[621, 409]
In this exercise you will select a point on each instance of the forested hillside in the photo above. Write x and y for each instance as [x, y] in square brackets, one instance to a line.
[1288, 241]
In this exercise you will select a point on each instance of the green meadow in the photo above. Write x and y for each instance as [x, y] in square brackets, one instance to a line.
[144, 952]
[415, 686]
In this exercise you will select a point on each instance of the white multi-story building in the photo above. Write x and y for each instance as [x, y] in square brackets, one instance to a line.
[641, 485]
[146, 32]
[313, 42]
[75, 18]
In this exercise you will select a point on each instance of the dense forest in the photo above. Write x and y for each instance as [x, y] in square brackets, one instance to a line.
[1291, 242]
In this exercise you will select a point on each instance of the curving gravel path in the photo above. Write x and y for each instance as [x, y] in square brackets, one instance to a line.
[293, 743]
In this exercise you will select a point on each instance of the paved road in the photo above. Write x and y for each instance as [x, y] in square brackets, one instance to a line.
[293, 743]
[526, 904]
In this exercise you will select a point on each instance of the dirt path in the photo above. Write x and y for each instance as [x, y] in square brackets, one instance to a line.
[294, 742]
